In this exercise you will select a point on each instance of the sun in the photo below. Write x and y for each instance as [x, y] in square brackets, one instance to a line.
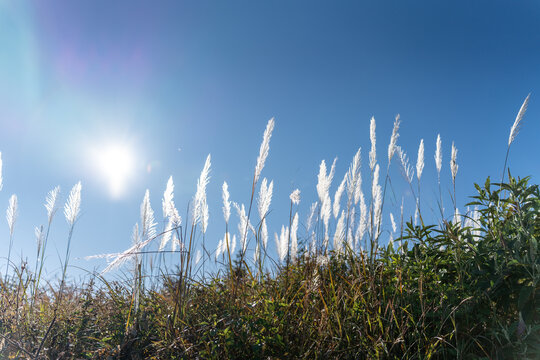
[115, 164]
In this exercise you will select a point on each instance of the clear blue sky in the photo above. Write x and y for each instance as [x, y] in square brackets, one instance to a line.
[183, 79]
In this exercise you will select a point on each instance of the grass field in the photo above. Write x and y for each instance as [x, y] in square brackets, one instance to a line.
[464, 286]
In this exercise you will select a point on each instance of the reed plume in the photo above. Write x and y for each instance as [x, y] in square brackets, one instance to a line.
[420, 160]
[339, 236]
[11, 213]
[393, 140]
[263, 151]
[373, 139]
[147, 218]
[73, 204]
[226, 202]
[294, 238]
[453, 164]
[263, 205]
[514, 130]
[438, 155]
[200, 207]
[282, 243]
[295, 197]
[337, 196]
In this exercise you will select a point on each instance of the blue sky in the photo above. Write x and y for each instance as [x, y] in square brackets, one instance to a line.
[183, 79]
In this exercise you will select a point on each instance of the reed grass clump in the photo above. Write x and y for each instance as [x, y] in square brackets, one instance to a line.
[389, 285]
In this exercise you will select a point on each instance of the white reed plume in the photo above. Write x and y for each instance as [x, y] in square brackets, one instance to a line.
[394, 227]
[51, 203]
[325, 180]
[326, 210]
[147, 218]
[339, 236]
[263, 151]
[11, 213]
[393, 140]
[282, 243]
[323, 187]
[73, 204]
[226, 202]
[264, 233]
[311, 216]
[354, 179]
[294, 238]
[263, 205]
[243, 225]
[420, 160]
[169, 208]
[453, 164]
[337, 196]
[295, 197]
[406, 169]
[205, 216]
[416, 213]
[438, 155]
[200, 208]
[375, 182]
[362, 224]
[350, 236]
[373, 151]
[257, 253]
[517, 123]
[168, 196]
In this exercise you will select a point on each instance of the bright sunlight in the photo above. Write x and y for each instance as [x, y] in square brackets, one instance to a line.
[115, 163]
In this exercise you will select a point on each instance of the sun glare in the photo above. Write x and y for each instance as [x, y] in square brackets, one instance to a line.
[115, 163]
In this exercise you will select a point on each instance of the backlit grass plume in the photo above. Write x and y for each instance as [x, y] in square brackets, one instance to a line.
[200, 206]
[420, 160]
[514, 130]
[226, 202]
[373, 139]
[337, 196]
[453, 163]
[393, 140]
[263, 205]
[73, 204]
[264, 149]
[11, 213]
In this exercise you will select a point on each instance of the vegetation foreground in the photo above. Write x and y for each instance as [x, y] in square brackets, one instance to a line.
[465, 287]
